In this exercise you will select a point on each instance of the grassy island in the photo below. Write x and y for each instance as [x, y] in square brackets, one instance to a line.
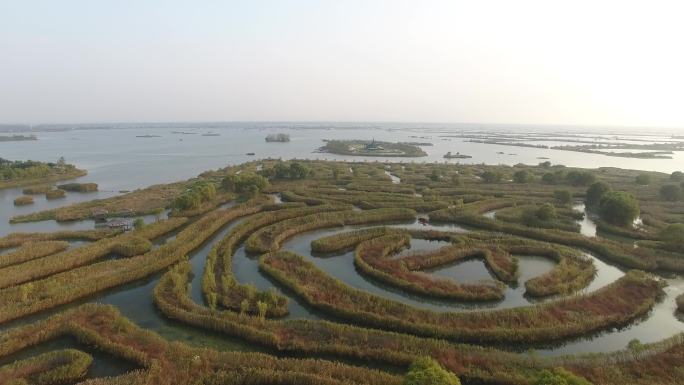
[278, 138]
[372, 148]
[25, 173]
[17, 138]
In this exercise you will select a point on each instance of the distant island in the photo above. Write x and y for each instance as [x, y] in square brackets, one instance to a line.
[278, 138]
[371, 148]
[148, 136]
[457, 155]
[17, 138]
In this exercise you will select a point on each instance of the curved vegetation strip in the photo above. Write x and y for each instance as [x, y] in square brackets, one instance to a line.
[614, 305]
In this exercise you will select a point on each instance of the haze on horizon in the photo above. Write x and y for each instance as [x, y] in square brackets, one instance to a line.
[600, 63]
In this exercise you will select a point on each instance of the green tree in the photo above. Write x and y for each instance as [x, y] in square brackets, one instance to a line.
[491, 176]
[580, 178]
[671, 192]
[677, 176]
[298, 170]
[426, 371]
[619, 208]
[249, 183]
[563, 197]
[643, 179]
[595, 192]
[282, 171]
[522, 176]
[550, 178]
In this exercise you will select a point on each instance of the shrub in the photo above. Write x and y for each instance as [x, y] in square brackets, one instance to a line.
[55, 194]
[671, 192]
[491, 176]
[195, 196]
[249, 183]
[563, 197]
[546, 212]
[551, 178]
[619, 208]
[23, 200]
[595, 192]
[294, 170]
[426, 371]
[522, 176]
[559, 376]
[580, 178]
[677, 176]
[643, 179]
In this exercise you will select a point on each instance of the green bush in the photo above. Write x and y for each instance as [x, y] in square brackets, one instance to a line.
[546, 212]
[195, 196]
[560, 376]
[522, 176]
[244, 183]
[619, 208]
[595, 192]
[580, 178]
[426, 371]
[551, 178]
[491, 176]
[677, 176]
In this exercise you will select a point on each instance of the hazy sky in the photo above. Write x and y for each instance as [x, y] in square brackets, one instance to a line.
[566, 62]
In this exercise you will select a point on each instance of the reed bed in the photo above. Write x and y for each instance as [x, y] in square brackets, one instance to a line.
[372, 258]
[218, 282]
[174, 363]
[62, 366]
[124, 244]
[32, 250]
[270, 238]
[614, 305]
